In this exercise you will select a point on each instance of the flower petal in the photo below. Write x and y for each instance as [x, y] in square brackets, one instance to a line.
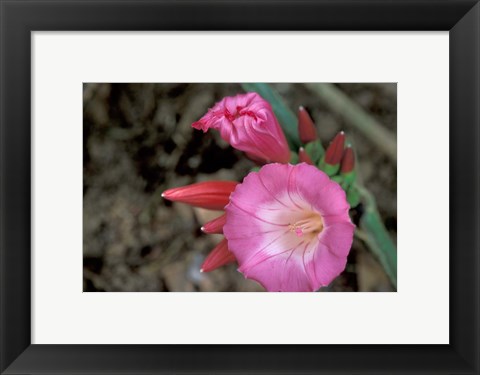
[338, 238]
[285, 241]
[283, 272]
[323, 266]
[324, 194]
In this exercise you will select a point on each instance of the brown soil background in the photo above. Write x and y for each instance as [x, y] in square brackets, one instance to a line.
[138, 142]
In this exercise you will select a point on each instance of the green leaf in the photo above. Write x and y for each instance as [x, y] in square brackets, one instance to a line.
[381, 244]
[348, 179]
[315, 150]
[330, 170]
[338, 179]
[353, 197]
[293, 158]
[378, 238]
[286, 118]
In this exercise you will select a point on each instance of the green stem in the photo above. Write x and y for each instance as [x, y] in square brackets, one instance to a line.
[378, 238]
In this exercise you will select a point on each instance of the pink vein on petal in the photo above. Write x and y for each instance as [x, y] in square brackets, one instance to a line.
[290, 186]
[329, 249]
[303, 262]
[282, 281]
[255, 234]
[269, 192]
[269, 257]
[314, 268]
[247, 262]
[255, 216]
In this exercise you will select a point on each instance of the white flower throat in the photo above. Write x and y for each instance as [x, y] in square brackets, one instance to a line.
[311, 225]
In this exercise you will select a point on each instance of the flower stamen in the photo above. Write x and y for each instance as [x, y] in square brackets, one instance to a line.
[312, 224]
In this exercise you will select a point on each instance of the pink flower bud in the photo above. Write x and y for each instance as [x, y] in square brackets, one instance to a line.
[248, 123]
[306, 126]
[218, 257]
[334, 152]
[348, 161]
[215, 225]
[303, 156]
[212, 195]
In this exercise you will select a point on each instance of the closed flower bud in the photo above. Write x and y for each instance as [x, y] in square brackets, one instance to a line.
[303, 156]
[212, 195]
[348, 161]
[214, 226]
[218, 257]
[248, 123]
[347, 168]
[306, 127]
[334, 152]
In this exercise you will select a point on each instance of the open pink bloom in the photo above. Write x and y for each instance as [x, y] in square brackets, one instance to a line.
[288, 227]
[247, 122]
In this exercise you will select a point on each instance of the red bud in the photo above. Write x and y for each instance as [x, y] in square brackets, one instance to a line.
[218, 257]
[212, 195]
[303, 156]
[215, 225]
[334, 152]
[348, 161]
[306, 126]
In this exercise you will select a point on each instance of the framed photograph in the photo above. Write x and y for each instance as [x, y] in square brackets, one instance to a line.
[181, 173]
[162, 161]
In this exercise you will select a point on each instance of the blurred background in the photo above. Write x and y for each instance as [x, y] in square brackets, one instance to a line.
[138, 142]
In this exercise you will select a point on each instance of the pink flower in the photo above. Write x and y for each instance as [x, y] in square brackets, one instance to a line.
[288, 227]
[247, 122]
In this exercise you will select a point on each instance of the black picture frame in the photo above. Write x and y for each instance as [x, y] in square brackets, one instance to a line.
[18, 18]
